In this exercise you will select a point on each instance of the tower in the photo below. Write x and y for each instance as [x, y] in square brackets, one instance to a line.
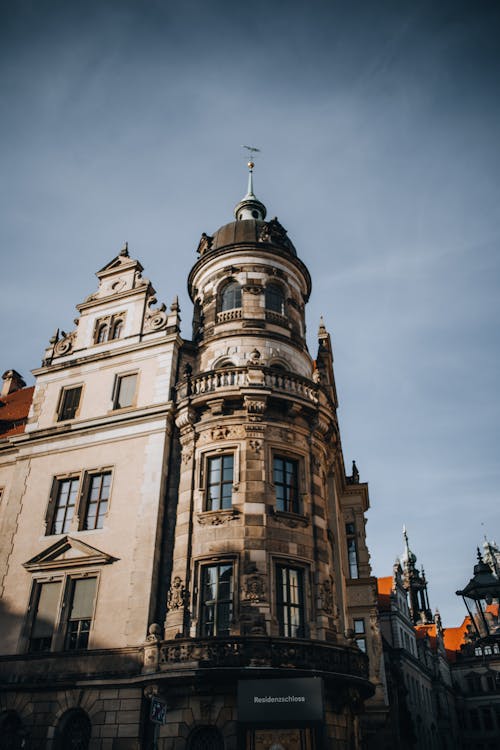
[415, 584]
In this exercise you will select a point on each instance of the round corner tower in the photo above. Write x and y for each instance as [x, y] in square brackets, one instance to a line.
[258, 572]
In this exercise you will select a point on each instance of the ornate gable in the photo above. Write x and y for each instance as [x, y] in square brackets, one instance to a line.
[67, 553]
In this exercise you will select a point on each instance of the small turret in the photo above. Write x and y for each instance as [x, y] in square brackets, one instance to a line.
[250, 206]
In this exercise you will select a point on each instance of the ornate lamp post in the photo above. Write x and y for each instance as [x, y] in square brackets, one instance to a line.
[482, 587]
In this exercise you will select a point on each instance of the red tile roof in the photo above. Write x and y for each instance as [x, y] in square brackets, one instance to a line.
[384, 590]
[14, 410]
[455, 637]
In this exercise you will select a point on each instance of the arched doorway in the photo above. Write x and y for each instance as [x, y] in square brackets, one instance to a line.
[73, 731]
[13, 736]
[206, 738]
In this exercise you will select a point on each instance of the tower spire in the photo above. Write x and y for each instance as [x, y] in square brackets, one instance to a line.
[250, 206]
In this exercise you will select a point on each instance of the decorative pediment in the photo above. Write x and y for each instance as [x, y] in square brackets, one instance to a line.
[68, 553]
[120, 262]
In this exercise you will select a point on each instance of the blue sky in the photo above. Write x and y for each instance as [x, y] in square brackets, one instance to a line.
[379, 127]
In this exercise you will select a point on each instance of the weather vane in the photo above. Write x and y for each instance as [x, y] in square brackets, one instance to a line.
[251, 151]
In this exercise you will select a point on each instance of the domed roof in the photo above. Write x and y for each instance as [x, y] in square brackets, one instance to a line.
[253, 231]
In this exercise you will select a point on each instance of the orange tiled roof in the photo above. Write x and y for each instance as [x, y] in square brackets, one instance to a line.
[14, 409]
[384, 590]
[454, 638]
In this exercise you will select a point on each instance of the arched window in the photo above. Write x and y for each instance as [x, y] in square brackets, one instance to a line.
[275, 299]
[206, 738]
[102, 333]
[231, 296]
[74, 730]
[12, 732]
[117, 329]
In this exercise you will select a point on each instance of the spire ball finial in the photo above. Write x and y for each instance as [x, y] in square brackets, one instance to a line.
[250, 165]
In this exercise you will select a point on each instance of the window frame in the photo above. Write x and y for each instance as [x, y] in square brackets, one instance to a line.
[234, 284]
[52, 508]
[351, 538]
[119, 377]
[67, 583]
[208, 504]
[286, 608]
[108, 325]
[270, 294]
[62, 399]
[80, 508]
[216, 603]
[85, 501]
[295, 506]
[359, 628]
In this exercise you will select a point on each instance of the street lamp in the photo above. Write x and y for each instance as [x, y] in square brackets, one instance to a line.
[482, 587]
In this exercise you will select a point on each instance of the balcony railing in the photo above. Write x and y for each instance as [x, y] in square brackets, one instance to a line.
[212, 381]
[263, 652]
[227, 315]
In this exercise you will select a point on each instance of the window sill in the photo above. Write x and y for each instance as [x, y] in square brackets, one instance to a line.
[217, 517]
[289, 519]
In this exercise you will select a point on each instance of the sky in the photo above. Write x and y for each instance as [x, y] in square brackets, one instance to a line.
[378, 124]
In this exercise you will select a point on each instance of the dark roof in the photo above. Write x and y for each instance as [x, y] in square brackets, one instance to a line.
[14, 410]
[250, 231]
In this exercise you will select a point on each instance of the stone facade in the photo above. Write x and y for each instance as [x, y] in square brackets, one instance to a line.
[177, 519]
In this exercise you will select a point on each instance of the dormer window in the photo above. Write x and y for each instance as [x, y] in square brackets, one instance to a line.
[109, 328]
[230, 297]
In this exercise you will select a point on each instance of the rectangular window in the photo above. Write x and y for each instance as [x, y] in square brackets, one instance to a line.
[80, 613]
[216, 599]
[359, 634]
[219, 482]
[290, 601]
[285, 478]
[69, 403]
[96, 500]
[66, 494]
[125, 386]
[352, 550]
[47, 597]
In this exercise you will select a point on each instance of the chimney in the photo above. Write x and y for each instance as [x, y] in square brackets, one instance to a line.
[12, 381]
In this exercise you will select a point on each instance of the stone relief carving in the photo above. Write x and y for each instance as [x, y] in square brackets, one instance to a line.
[177, 595]
[155, 319]
[326, 596]
[205, 244]
[220, 432]
[254, 590]
[255, 445]
[65, 344]
[218, 517]
[291, 520]
[253, 289]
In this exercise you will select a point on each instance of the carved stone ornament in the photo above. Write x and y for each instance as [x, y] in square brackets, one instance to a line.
[205, 244]
[326, 596]
[65, 345]
[176, 595]
[254, 589]
[155, 319]
[253, 289]
[255, 445]
[274, 232]
[220, 432]
[291, 520]
[218, 517]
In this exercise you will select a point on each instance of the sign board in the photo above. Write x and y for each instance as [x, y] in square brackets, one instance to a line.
[271, 701]
[158, 711]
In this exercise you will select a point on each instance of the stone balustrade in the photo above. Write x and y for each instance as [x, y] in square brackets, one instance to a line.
[229, 378]
[262, 652]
